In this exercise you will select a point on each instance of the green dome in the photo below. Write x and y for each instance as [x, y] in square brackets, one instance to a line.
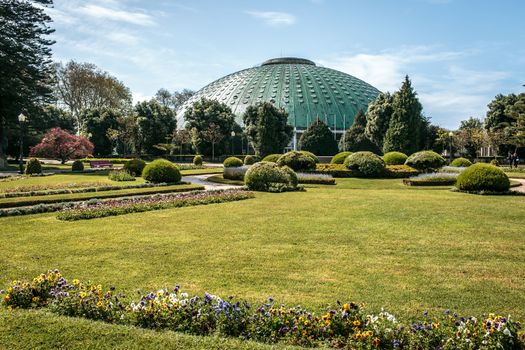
[305, 90]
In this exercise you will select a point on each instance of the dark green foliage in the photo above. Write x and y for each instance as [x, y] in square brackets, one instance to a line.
[154, 123]
[120, 175]
[498, 116]
[268, 177]
[378, 118]
[77, 165]
[311, 155]
[335, 170]
[365, 164]
[355, 140]
[483, 177]
[135, 166]
[395, 158]
[99, 123]
[249, 160]
[318, 139]
[267, 128]
[272, 157]
[232, 162]
[400, 171]
[297, 161]
[161, 170]
[340, 157]
[461, 162]
[197, 160]
[33, 166]
[425, 161]
[494, 162]
[200, 116]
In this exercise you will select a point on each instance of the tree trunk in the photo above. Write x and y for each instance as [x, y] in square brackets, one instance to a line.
[3, 159]
[212, 151]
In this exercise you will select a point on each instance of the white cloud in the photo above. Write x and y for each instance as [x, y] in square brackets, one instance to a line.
[274, 18]
[101, 12]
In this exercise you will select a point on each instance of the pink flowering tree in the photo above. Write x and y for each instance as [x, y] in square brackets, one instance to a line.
[60, 144]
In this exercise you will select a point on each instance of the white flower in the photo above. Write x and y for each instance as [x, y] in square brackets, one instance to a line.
[507, 332]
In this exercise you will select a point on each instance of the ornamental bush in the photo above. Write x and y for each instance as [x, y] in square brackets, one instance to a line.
[427, 161]
[197, 160]
[232, 162]
[235, 173]
[297, 161]
[77, 165]
[135, 166]
[483, 177]
[461, 162]
[120, 175]
[271, 158]
[268, 177]
[494, 162]
[365, 164]
[249, 160]
[340, 157]
[33, 166]
[311, 155]
[161, 170]
[395, 158]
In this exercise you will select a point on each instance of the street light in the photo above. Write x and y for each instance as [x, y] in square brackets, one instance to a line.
[450, 134]
[21, 120]
[232, 134]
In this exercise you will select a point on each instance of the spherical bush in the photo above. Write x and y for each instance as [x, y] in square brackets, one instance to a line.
[77, 165]
[340, 157]
[197, 160]
[395, 158]
[134, 166]
[311, 155]
[461, 162]
[161, 170]
[249, 160]
[290, 174]
[33, 166]
[365, 164]
[297, 161]
[232, 162]
[271, 158]
[483, 177]
[262, 175]
[425, 161]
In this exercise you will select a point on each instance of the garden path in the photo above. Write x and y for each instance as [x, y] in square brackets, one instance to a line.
[520, 188]
[208, 185]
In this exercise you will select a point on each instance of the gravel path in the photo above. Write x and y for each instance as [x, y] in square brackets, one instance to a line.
[208, 185]
[520, 188]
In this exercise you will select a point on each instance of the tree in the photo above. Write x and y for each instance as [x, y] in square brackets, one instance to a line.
[355, 139]
[470, 136]
[25, 66]
[497, 115]
[267, 128]
[60, 144]
[406, 124]
[181, 137]
[175, 100]
[213, 135]
[318, 139]
[378, 118]
[155, 123]
[82, 86]
[100, 121]
[200, 115]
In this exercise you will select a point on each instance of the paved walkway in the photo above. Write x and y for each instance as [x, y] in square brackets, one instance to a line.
[208, 185]
[520, 188]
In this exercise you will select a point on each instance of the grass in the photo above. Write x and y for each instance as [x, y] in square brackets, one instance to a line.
[216, 170]
[372, 241]
[515, 175]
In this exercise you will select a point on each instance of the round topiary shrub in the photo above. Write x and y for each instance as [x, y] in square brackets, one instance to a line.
[461, 162]
[134, 166]
[395, 158]
[366, 164]
[297, 161]
[197, 160]
[77, 165]
[271, 158]
[425, 161]
[483, 177]
[161, 170]
[340, 157]
[33, 166]
[263, 176]
[249, 160]
[311, 155]
[232, 162]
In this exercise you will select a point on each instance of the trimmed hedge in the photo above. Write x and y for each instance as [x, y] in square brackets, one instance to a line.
[249, 160]
[161, 170]
[340, 157]
[425, 161]
[268, 177]
[461, 162]
[197, 160]
[232, 162]
[135, 166]
[335, 170]
[400, 171]
[395, 158]
[77, 165]
[235, 173]
[483, 177]
[120, 175]
[297, 161]
[33, 166]
[271, 158]
[311, 155]
[365, 164]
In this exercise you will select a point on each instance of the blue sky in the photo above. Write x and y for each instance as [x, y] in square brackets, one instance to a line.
[458, 53]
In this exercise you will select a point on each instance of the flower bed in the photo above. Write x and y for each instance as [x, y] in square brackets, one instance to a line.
[432, 179]
[120, 206]
[315, 179]
[344, 325]
[335, 170]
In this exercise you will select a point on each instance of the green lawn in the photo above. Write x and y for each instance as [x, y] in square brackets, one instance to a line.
[372, 241]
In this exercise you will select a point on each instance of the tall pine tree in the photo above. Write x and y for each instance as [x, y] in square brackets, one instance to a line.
[378, 118]
[355, 140]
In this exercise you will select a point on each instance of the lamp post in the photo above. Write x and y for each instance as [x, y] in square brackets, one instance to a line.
[21, 120]
[450, 134]
[232, 134]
